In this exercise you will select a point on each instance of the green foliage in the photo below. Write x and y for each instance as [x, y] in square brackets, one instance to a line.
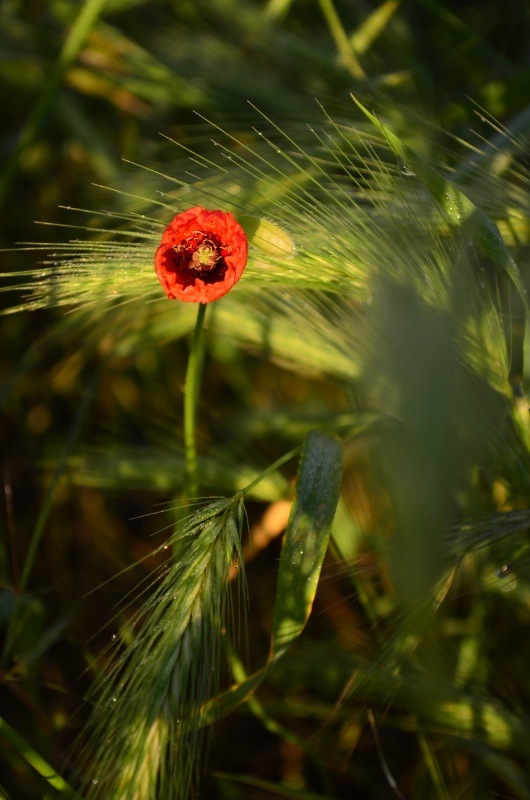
[381, 325]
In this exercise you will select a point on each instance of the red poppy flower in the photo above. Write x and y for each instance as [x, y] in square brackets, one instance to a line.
[201, 256]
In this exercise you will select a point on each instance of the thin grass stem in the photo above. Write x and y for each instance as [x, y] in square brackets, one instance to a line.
[46, 506]
[273, 467]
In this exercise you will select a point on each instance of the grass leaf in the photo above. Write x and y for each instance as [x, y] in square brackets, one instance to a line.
[306, 538]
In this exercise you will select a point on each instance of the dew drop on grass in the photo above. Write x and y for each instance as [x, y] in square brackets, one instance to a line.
[507, 576]
[404, 168]
[504, 571]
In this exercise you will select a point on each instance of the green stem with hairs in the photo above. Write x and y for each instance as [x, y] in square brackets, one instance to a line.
[191, 397]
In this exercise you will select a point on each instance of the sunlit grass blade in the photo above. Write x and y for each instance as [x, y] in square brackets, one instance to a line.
[161, 469]
[35, 760]
[372, 26]
[306, 538]
[344, 45]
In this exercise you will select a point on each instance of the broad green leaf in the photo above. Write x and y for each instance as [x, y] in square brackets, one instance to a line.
[306, 538]
[304, 546]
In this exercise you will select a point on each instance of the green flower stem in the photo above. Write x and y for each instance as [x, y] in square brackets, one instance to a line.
[191, 396]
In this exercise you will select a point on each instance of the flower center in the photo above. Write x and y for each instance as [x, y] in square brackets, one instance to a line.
[205, 257]
[200, 252]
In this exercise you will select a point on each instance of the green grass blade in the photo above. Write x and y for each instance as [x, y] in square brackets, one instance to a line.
[304, 546]
[340, 36]
[34, 759]
[61, 466]
[276, 728]
[370, 28]
[306, 538]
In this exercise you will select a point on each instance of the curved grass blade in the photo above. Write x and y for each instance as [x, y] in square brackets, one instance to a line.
[306, 538]
[35, 760]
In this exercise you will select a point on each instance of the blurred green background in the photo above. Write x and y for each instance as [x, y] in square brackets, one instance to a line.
[86, 88]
